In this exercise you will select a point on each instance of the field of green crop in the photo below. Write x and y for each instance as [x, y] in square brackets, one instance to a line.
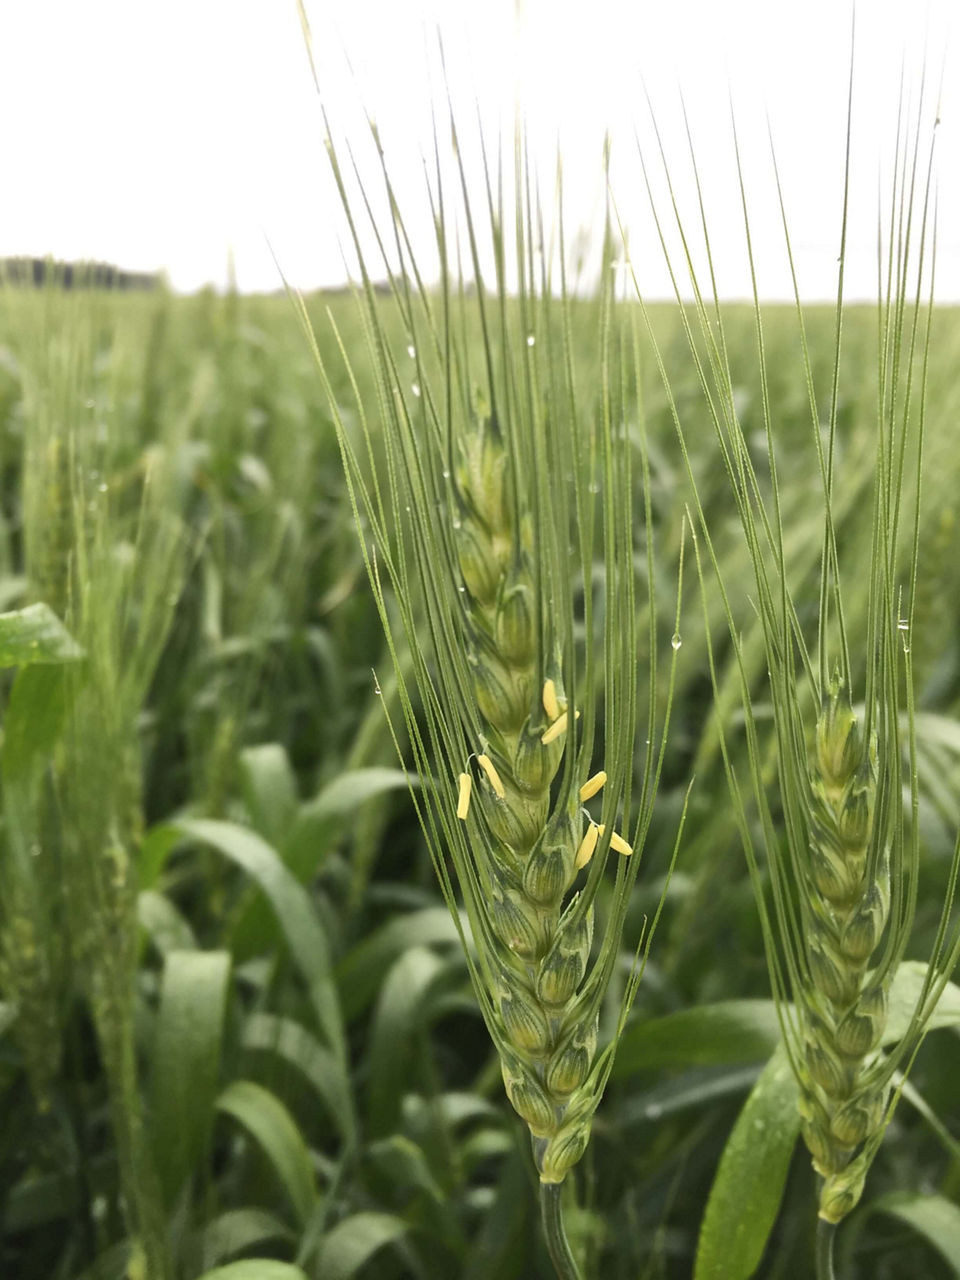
[238, 1036]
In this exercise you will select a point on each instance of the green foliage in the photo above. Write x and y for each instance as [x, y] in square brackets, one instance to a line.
[252, 1032]
[35, 634]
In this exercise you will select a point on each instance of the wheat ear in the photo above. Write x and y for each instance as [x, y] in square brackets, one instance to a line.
[497, 501]
[844, 1009]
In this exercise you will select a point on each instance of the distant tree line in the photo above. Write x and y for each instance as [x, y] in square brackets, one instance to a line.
[38, 272]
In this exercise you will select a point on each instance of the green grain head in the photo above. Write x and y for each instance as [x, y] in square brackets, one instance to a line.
[488, 495]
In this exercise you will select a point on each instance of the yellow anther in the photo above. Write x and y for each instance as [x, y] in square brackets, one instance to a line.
[550, 704]
[463, 800]
[593, 785]
[619, 845]
[486, 764]
[587, 846]
[559, 726]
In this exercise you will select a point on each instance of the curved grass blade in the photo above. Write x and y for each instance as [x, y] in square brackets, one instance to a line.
[186, 1062]
[346, 1248]
[271, 1125]
[294, 911]
[256, 1269]
[746, 1192]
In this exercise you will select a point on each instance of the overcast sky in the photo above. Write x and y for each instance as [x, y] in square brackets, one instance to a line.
[170, 135]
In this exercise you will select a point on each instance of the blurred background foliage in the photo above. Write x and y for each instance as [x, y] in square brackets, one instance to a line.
[236, 1023]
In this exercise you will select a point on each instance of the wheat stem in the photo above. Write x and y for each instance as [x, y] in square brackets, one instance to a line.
[551, 1209]
[826, 1231]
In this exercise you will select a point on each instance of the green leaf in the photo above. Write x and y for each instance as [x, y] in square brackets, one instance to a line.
[501, 1246]
[361, 972]
[351, 789]
[239, 1229]
[269, 789]
[405, 1164]
[904, 994]
[934, 1217]
[256, 1269]
[155, 847]
[168, 929]
[303, 839]
[320, 820]
[35, 634]
[706, 1035]
[352, 1242]
[294, 910]
[295, 1044]
[272, 1126]
[186, 1061]
[33, 722]
[696, 1088]
[748, 1186]
[394, 1034]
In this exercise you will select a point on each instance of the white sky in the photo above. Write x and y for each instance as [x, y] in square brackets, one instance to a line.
[167, 135]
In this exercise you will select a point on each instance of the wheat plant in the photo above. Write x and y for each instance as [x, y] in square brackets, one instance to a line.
[105, 548]
[838, 887]
[495, 500]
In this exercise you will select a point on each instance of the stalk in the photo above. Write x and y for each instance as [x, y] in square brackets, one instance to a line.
[825, 1236]
[551, 1210]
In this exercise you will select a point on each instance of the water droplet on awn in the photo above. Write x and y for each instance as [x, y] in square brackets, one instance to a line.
[415, 388]
[676, 641]
[530, 339]
[412, 352]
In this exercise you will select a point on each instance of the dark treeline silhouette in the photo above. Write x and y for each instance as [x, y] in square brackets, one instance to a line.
[38, 272]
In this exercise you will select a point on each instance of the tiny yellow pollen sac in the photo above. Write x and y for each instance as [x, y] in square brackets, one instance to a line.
[463, 800]
[593, 785]
[486, 764]
[619, 845]
[587, 846]
[559, 726]
[550, 703]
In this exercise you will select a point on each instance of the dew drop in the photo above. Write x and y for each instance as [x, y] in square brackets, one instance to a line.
[102, 488]
[415, 388]
[461, 590]
[530, 340]
[676, 641]
[653, 1111]
[412, 351]
[903, 625]
[446, 474]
